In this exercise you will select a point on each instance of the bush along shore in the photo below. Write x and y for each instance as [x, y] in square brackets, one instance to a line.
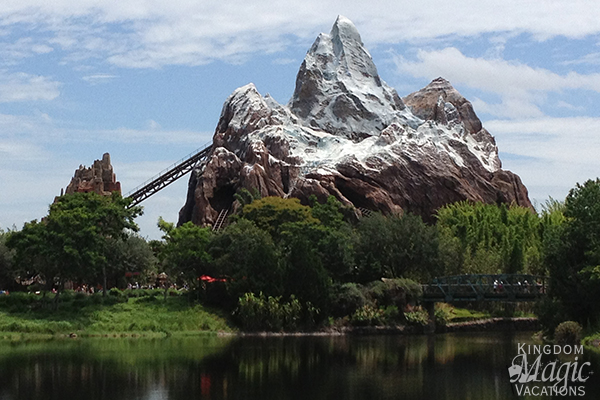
[385, 307]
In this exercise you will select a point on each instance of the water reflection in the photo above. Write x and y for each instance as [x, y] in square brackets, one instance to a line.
[467, 366]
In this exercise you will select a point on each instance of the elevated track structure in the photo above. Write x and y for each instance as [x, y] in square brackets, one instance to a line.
[169, 175]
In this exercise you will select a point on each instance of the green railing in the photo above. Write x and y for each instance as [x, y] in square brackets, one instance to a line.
[501, 287]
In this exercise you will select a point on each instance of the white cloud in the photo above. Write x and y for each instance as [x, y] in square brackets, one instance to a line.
[568, 106]
[589, 59]
[17, 150]
[153, 135]
[18, 87]
[153, 33]
[98, 78]
[521, 87]
[41, 128]
[12, 52]
[285, 61]
[555, 151]
[510, 107]
[20, 125]
[550, 154]
[153, 125]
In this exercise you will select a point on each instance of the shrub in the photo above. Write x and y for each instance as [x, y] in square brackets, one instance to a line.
[110, 300]
[394, 292]
[443, 313]
[568, 332]
[367, 315]
[67, 294]
[392, 315]
[116, 292]
[419, 317]
[346, 299]
[550, 313]
[255, 313]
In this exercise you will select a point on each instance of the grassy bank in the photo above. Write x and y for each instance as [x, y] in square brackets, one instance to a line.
[83, 315]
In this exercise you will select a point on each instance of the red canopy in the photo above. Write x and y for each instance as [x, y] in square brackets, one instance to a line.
[210, 279]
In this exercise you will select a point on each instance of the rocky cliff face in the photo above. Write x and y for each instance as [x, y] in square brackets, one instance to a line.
[98, 178]
[346, 133]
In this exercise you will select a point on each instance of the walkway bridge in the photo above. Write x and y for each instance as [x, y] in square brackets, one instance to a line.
[502, 287]
[169, 175]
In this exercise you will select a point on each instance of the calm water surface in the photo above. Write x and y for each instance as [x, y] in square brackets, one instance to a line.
[450, 366]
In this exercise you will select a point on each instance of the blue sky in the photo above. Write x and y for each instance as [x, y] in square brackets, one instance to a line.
[146, 79]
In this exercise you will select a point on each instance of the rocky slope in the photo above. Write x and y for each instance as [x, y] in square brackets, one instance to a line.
[346, 133]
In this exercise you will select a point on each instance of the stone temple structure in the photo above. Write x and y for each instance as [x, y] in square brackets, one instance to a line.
[98, 178]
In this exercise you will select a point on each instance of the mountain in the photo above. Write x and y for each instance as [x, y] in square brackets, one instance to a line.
[346, 133]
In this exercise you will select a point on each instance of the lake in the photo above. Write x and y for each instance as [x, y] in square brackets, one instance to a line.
[446, 366]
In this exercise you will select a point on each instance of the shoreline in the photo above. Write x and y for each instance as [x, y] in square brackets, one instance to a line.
[479, 325]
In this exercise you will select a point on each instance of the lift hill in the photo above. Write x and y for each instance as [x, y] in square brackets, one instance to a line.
[169, 175]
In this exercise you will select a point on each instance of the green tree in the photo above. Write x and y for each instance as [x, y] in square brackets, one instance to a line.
[491, 238]
[132, 255]
[245, 196]
[247, 256]
[313, 244]
[73, 241]
[330, 213]
[6, 259]
[185, 253]
[270, 213]
[396, 246]
[305, 275]
[573, 254]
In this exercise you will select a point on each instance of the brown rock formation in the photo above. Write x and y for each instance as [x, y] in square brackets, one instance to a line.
[98, 178]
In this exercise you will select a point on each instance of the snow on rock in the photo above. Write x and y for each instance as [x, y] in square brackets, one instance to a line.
[346, 133]
[338, 89]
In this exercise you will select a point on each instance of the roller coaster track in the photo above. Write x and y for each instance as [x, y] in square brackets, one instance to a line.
[219, 223]
[169, 175]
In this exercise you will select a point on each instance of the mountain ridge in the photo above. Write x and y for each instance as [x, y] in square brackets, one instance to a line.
[346, 133]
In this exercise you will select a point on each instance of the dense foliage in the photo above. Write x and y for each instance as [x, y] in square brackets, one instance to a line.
[6, 258]
[75, 241]
[572, 250]
[300, 263]
[491, 239]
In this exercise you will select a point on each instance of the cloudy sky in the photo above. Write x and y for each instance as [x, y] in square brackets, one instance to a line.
[145, 80]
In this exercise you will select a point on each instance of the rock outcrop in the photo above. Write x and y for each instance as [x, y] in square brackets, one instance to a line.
[346, 133]
[98, 178]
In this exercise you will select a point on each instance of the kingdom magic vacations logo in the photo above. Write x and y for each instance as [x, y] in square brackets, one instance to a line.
[535, 373]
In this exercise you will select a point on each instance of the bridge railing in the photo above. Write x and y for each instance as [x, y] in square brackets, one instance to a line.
[501, 287]
[169, 168]
[169, 175]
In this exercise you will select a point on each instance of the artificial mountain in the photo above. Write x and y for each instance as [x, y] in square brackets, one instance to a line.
[346, 133]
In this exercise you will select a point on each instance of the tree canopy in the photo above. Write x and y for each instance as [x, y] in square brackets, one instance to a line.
[73, 241]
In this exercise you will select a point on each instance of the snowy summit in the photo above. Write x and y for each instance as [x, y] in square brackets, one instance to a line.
[346, 133]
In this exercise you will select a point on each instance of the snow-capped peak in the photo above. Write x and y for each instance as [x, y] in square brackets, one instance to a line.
[346, 133]
[338, 88]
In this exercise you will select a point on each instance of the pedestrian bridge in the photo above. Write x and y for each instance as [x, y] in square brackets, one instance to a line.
[501, 287]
